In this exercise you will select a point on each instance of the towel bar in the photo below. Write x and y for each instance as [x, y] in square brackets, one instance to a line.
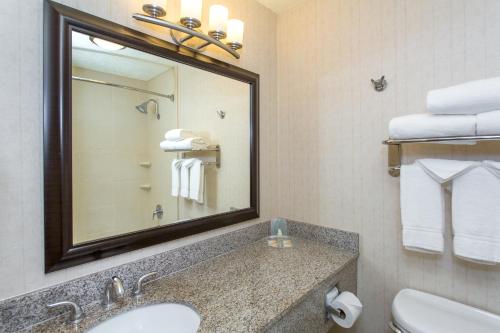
[395, 150]
[213, 149]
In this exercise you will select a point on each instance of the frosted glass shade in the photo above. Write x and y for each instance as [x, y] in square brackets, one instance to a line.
[235, 30]
[159, 3]
[191, 8]
[218, 18]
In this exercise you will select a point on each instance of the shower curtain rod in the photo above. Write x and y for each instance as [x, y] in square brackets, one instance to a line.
[77, 78]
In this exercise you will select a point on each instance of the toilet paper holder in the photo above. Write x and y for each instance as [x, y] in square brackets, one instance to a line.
[330, 310]
[336, 312]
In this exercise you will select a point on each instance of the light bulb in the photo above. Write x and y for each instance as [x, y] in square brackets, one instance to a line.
[191, 9]
[218, 18]
[235, 29]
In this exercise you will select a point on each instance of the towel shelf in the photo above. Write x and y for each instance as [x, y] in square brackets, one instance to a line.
[214, 149]
[395, 149]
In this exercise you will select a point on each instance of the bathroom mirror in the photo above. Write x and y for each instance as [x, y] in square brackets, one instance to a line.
[143, 142]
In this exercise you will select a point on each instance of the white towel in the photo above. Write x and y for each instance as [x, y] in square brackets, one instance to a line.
[176, 175]
[178, 134]
[186, 165]
[488, 123]
[427, 125]
[444, 171]
[196, 143]
[196, 180]
[422, 201]
[422, 210]
[468, 98]
[476, 216]
[493, 167]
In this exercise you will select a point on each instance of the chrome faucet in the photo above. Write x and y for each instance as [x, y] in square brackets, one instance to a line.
[138, 289]
[113, 291]
[76, 314]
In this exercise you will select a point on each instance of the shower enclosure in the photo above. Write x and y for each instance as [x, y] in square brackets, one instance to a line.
[128, 119]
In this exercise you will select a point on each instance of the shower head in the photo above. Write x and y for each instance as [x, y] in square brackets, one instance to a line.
[143, 108]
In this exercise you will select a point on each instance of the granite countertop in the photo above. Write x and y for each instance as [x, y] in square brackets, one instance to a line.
[246, 290]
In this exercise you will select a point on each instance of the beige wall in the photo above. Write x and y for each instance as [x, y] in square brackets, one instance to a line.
[201, 94]
[21, 200]
[332, 122]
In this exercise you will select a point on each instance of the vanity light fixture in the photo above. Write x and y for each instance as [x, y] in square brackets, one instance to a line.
[107, 45]
[223, 33]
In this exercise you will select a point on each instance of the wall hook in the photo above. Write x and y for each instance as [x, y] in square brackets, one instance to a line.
[222, 114]
[380, 84]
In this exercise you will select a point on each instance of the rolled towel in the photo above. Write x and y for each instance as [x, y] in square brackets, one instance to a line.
[196, 143]
[178, 134]
[426, 126]
[468, 98]
[476, 215]
[488, 123]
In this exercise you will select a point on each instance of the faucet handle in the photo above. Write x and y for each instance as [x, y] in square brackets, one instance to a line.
[137, 291]
[76, 313]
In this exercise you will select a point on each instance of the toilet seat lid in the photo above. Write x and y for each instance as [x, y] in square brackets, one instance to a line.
[419, 312]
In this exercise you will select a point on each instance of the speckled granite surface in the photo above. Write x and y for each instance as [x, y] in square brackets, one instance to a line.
[29, 309]
[338, 238]
[250, 289]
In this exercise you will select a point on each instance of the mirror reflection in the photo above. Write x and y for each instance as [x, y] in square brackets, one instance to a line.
[154, 142]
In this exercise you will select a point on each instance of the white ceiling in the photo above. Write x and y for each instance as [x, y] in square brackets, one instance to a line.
[128, 62]
[279, 6]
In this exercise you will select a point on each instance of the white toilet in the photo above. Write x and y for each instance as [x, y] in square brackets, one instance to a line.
[418, 312]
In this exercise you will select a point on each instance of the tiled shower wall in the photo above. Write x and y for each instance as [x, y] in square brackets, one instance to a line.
[21, 202]
[331, 125]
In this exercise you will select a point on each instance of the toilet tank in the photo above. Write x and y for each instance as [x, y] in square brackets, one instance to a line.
[418, 312]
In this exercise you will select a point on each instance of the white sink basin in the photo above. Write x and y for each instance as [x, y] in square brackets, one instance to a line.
[159, 318]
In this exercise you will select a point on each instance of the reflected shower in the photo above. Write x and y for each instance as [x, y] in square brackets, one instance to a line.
[144, 107]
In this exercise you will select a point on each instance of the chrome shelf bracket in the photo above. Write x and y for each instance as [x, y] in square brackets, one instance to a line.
[395, 147]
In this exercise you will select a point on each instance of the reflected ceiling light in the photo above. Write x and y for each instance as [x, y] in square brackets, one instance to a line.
[183, 33]
[107, 45]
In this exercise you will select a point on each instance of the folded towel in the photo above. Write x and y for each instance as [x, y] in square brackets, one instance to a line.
[427, 126]
[468, 98]
[476, 215]
[444, 171]
[493, 167]
[196, 143]
[422, 210]
[488, 123]
[176, 174]
[196, 180]
[178, 134]
[422, 201]
[186, 165]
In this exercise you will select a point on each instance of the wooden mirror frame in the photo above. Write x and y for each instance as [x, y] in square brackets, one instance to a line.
[60, 252]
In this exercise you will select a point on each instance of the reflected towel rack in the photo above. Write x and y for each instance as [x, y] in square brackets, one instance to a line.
[215, 149]
[395, 147]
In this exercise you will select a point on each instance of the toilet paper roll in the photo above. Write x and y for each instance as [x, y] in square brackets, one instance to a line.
[350, 305]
